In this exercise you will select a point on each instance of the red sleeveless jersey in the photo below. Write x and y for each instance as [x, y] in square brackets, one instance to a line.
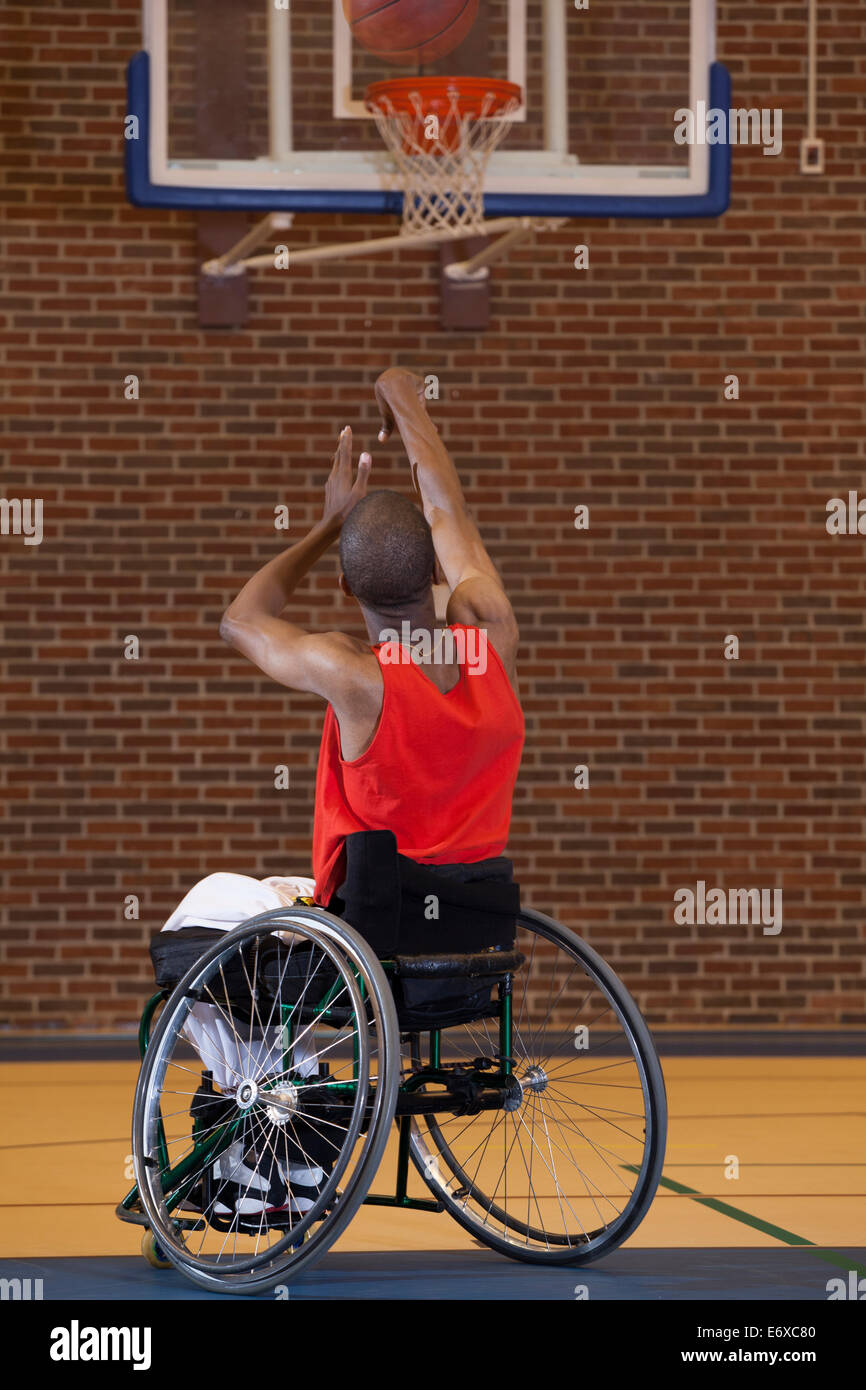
[439, 772]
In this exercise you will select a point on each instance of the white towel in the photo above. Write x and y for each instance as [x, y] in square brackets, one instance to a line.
[223, 901]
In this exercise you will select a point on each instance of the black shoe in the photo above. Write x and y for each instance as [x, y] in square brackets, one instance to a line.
[248, 1182]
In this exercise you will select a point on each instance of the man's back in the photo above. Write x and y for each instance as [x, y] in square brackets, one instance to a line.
[440, 766]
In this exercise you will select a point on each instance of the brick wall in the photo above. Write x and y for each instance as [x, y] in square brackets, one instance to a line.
[601, 387]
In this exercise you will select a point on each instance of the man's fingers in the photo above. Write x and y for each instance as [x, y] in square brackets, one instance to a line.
[365, 463]
[344, 449]
[340, 452]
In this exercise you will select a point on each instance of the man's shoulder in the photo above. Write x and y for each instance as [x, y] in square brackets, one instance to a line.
[482, 603]
[350, 665]
[346, 644]
[346, 653]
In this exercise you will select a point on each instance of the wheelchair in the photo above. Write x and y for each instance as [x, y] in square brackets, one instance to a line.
[523, 1082]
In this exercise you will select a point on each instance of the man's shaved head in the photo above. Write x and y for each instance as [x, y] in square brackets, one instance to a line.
[386, 551]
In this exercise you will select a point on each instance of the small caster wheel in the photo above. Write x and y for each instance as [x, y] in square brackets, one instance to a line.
[153, 1252]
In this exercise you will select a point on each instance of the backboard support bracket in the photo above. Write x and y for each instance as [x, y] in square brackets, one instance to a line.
[506, 231]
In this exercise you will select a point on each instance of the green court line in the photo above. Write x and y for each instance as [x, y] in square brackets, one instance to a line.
[777, 1232]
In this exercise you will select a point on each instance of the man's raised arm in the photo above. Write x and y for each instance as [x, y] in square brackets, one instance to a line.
[477, 596]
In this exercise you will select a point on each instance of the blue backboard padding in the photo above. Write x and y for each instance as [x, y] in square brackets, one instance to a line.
[142, 193]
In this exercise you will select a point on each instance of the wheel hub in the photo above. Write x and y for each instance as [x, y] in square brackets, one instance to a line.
[281, 1105]
[246, 1094]
[534, 1079]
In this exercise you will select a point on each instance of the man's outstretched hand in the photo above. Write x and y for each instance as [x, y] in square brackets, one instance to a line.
[342, 492]
[400, 383]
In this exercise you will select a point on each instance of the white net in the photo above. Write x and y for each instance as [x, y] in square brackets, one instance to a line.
[441, 151]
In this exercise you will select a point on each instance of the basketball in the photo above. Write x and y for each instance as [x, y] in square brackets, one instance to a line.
[410, 31]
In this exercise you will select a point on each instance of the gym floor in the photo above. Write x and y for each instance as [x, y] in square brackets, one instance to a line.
[660, 425]
[762, 1196]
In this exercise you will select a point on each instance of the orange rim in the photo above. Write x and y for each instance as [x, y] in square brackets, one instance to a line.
[453, 100]
[472, 95]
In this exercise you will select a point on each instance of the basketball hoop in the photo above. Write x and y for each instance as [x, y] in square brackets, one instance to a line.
[441, 132]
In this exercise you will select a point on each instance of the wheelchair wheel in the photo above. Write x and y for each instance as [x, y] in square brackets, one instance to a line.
[254, 1147]
[566, 1170]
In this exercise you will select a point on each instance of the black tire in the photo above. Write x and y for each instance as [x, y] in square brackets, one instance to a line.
[531, 1227]
[273, 1250]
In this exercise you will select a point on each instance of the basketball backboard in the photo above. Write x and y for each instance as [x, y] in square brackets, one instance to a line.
[595, 135]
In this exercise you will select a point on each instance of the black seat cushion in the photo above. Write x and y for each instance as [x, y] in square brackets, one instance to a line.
[289, 973]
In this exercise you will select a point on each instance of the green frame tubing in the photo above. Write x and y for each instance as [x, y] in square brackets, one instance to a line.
[222, 1138]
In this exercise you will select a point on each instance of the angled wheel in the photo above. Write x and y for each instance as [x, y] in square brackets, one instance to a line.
[265, 1100]
[152, 1252]
[566, 1170]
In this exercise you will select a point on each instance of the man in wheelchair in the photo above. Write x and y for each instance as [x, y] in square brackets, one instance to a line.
[422, 740]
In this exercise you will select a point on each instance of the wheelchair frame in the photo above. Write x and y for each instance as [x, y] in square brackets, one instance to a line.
[485, 1084]
[467, 1093]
